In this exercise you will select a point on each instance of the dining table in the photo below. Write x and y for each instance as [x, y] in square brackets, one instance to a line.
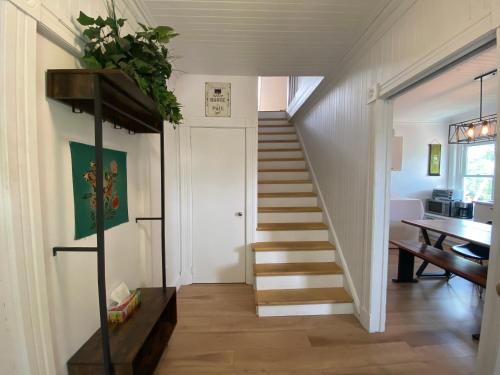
[461, 229]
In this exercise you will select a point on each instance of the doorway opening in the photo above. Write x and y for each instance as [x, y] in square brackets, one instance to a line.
[442, 195]
[273, 94]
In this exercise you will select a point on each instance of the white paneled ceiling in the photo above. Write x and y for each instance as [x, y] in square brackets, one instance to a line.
[453, 95]
[263, 37]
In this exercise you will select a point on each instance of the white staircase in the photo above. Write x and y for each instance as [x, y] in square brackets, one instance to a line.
[295, 269]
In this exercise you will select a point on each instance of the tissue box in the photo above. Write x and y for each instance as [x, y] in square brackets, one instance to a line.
[122, 312]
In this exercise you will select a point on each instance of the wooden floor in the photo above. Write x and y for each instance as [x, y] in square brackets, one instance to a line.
[428, 332]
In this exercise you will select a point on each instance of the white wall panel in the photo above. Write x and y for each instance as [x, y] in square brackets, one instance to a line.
[334, 123]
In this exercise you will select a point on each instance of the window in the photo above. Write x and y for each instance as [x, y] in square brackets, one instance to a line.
[478, 172]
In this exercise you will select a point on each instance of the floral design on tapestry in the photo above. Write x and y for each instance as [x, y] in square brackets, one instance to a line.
[111, 199]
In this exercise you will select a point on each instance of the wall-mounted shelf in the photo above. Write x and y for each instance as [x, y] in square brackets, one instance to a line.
[123, 102]
[136, 346]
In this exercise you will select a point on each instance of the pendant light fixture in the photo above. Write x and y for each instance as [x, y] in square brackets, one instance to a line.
[482, 129]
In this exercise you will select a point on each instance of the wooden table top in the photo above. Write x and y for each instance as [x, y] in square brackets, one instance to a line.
[467, 230]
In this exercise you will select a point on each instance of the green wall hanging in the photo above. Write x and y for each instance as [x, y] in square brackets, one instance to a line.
[84, 188]
[434, 160]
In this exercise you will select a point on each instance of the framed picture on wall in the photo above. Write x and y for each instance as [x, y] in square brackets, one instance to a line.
[434, 160]
[217, 99]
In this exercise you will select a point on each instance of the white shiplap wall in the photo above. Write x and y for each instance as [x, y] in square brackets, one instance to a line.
[335, 125]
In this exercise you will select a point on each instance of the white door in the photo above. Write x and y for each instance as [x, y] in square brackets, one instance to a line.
[218, 185]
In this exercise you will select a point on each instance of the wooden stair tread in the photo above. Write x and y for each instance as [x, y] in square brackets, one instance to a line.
[284, 182]
[279, 141]
[292, 246]
[288, 209]
[283, 170]
[276, 133]
[291, 226]
[282, 159]
[279, 149]
[285, 269]
[301, 296]
[276, 126]
[299, 194]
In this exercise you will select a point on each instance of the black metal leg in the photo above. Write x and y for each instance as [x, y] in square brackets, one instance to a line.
[101, 265]
[438, 245]
[406, 263]
[162, 173]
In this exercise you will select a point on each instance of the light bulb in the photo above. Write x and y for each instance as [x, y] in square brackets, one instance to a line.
[470, 132]
[485, 129]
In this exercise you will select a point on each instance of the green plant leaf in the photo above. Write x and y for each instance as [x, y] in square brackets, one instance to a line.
[99, 21]
[164, 33]
[85, 20]
[92, 32]
[92, 63]
[144, 27]
[142, 55]
[124, 43]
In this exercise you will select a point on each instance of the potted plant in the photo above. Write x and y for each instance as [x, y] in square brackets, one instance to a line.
[142, 55]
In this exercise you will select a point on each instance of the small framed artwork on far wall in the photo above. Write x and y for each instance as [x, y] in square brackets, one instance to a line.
[434, 160]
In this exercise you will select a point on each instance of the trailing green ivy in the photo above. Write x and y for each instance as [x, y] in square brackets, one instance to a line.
[143, 56]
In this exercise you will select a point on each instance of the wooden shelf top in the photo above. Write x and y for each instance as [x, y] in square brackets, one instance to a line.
[123, 102]
[127, 339]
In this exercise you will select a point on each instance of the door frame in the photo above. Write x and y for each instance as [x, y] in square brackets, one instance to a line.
[375, 266]
[186, 199]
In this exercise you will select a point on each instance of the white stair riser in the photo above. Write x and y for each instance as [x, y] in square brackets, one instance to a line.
[291, 235]
[282, 164]
[278, 137]
[280, 154]
[276, 129]
[283, 175]
[278, 188]
[315, 309]
[280, 145]
[290, 217]
[298, 282]
[288, 202]
[308, 256]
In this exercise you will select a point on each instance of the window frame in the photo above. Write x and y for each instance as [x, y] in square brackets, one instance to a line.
[463, 168]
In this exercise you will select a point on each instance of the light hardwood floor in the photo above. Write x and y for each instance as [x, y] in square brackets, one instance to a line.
[429, 327]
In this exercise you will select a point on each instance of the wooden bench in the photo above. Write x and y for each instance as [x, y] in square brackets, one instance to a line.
[408, 250]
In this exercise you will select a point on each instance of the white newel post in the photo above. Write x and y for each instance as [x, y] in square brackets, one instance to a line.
[25, 334]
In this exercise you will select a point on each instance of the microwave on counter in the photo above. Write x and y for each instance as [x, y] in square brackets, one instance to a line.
[439, 207]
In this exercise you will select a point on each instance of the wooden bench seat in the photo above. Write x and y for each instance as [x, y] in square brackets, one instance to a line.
[455, 264]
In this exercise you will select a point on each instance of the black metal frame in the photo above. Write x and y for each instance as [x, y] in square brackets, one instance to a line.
[457, 133]
[100, 248]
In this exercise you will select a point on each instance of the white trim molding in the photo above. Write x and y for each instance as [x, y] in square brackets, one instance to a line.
[376, 260]
[21, 223]
[186, 208]
[302, 94]
[251, 199]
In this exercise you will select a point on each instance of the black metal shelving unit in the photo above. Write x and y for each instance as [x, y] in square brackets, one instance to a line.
[110, 95]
